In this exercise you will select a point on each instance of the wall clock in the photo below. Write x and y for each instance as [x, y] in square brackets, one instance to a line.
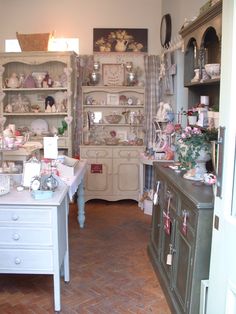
[165, 30]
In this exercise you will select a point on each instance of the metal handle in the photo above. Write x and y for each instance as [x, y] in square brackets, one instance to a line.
[172, 250]
[169, 194]
[219, 172]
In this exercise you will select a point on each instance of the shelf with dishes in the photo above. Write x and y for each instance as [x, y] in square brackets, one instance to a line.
[113, 115]
[202, 56]
[30, 101]
[203, 83]
[39, 86]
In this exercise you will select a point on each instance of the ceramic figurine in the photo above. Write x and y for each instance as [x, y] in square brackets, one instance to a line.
[13, 81]
[49, 102]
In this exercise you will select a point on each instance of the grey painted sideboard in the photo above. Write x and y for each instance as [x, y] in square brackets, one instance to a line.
[180, 240]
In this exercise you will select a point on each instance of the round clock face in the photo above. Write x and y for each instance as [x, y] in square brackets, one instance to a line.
[35, 184]
[129, 101]
[165, 31]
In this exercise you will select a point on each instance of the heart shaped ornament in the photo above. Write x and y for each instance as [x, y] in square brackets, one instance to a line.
[68, 119]
[2, 95]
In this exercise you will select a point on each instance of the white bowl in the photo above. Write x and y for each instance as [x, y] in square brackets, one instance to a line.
[213, 70]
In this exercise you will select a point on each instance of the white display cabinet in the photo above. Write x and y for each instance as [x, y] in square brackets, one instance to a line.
[112, 148]
[35, 104]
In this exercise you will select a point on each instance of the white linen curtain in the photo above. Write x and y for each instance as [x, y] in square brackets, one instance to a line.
[84, 67]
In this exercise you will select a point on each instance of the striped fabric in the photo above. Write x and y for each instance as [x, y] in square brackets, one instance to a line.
[152, 94]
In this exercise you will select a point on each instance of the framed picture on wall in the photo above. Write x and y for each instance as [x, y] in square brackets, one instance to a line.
[113, 74]
[120, 40]
[113, 99]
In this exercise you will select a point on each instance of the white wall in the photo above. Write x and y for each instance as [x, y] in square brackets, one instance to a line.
[77, 18]
[179, 10]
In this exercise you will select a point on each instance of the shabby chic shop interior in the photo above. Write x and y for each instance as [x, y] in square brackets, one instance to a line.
[125, 108]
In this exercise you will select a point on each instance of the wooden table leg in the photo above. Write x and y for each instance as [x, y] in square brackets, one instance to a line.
[80, 204]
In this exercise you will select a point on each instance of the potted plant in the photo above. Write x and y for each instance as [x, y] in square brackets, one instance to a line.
[194, 149]
[213, 117]
[212, 137]
[192, 115]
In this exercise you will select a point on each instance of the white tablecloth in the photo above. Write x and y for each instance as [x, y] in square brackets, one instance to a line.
[74, 182]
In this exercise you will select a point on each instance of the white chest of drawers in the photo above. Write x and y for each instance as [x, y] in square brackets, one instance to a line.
[34, 236]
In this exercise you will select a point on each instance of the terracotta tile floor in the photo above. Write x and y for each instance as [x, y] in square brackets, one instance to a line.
[110, 270]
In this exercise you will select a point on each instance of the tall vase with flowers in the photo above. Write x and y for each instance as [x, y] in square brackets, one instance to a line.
[194, 150]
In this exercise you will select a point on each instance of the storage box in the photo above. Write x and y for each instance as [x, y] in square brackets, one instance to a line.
[66, 168]
[147, 206]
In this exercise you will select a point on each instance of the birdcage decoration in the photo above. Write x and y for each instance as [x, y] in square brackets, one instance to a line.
[4, 184]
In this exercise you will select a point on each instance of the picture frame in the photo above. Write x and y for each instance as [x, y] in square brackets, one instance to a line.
[120, 40]
[113, 99]
[113, 74]
[31, 169]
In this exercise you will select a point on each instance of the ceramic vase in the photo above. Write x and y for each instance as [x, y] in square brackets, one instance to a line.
[121, 45]
[192, 120]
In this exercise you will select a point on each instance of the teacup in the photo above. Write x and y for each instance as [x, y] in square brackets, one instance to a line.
[9, 142]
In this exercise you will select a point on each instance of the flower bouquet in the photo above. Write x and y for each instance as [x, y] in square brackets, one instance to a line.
[192, 115]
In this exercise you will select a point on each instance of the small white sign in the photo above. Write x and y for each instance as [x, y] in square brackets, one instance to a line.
[50, 147]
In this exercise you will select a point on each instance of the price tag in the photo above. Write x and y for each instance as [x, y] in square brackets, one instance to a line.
[169, 259]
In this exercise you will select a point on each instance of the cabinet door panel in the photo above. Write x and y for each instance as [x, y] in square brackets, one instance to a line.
[126, 176]
[167, 241]
[99, 182]
[157, 217]
[156, 228]
[182, 267]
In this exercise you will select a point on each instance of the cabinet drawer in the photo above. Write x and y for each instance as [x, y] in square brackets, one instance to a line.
[62, 142]
[127, 152]
[96, 152]
[31, 215]
[26, 260]
[25, 236]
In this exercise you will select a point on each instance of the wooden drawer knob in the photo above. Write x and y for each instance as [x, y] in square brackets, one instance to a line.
[17, 260]
[15, 217]
[16, 236]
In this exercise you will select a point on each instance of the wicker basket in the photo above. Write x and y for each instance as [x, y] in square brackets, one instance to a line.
[34, 42]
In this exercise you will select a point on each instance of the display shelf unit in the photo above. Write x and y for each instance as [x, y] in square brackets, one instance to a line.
[112, 170]
[100, 101]
[24, 104]
[202, 45]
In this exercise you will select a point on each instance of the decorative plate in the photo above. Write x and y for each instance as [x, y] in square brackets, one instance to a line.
[39, 126]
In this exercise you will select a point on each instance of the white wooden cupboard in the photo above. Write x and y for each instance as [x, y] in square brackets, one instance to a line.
[24, 99]
[34, 236]
[112, 148]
